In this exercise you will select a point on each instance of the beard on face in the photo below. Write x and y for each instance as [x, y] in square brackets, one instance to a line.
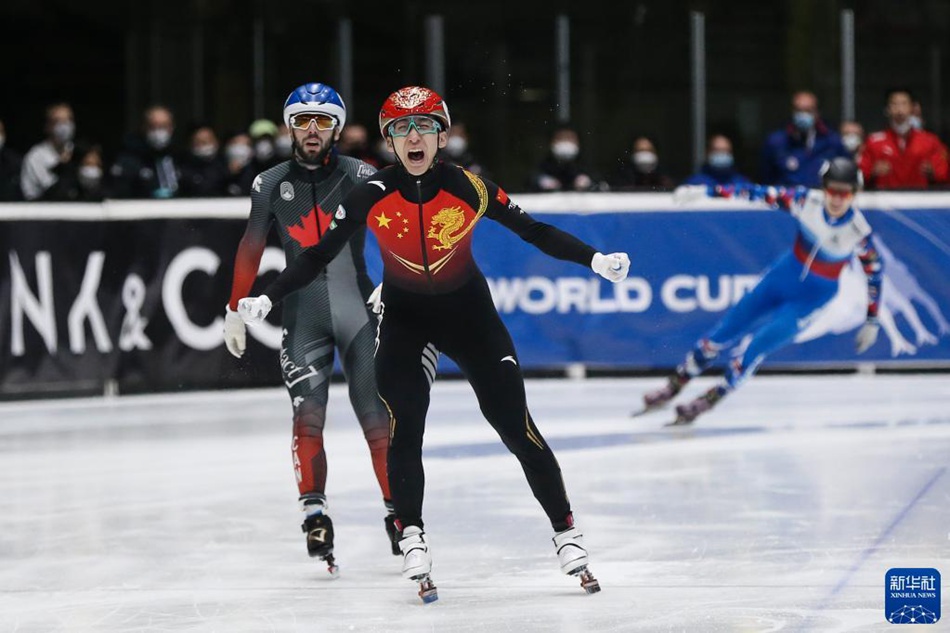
[309, 158]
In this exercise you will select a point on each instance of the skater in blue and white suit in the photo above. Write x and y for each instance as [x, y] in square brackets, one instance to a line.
[794, 288]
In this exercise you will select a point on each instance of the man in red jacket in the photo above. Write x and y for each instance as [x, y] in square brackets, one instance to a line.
[901, 156]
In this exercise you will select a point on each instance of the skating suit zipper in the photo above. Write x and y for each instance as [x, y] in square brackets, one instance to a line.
[422, 238]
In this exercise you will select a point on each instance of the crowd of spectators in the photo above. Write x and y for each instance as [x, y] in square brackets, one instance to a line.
[63, 167]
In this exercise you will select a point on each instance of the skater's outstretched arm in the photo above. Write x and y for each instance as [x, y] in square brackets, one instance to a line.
[552, 240]
[348, 219]
[784, 198]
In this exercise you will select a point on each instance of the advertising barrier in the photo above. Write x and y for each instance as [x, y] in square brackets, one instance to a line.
[130, 296]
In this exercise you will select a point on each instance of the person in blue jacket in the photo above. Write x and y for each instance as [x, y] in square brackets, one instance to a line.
[720, 165]
[793, 155]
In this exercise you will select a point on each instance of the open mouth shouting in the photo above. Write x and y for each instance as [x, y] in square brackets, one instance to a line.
[416, 157]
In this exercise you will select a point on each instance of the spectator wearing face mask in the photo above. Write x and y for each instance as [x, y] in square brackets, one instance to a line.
[719, 168]
[354, 142]
[852, 137]
[203, 172]
[902, 156]
[457, 151]
[793, 155]
[640, 171]
[263, 136]
[263, 133]
[90, 176]
[10, 165]
[238, 153]
[562, 169]
[283, 144]
[79, 180]
[52, 159]
[147, 168]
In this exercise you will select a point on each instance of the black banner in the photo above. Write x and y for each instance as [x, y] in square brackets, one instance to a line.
[137, 305]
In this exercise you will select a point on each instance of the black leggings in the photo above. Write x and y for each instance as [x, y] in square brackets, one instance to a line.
[466, 327]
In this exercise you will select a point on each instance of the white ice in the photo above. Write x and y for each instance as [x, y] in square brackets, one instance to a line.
[779, 511]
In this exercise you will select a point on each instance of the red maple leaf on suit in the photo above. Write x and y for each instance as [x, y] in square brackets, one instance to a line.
[307, 233]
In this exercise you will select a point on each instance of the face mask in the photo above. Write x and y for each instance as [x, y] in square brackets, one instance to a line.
[239, 154]
[915, 122]
[63, 131]
[283, 146]
[644, 160]
[456, 146]
[90, 176]
[159, 138]
[851, 142]
[720, 160]
[901, 128]
[204, 151]
[804, 121]
[263, 149]
[564, 150]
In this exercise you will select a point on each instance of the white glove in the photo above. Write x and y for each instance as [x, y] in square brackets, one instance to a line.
[254, 309]
[867, 335]
[375, 301]
[613, 267]
[685, 194]
[234, 332]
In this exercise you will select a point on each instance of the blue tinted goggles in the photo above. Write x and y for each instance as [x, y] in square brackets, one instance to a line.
[423, 124]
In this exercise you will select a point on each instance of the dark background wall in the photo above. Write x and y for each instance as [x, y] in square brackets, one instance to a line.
[629, 60]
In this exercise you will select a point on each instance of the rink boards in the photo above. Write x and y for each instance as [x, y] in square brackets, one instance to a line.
[130, 295]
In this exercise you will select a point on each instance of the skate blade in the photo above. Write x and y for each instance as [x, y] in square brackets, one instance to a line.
[645, 410]
[679, 422]
[588, 582]
[427, 590]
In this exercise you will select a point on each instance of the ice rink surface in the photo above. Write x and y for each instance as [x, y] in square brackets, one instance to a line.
[779, 511]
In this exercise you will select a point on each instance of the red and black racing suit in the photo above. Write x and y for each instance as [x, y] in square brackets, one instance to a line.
[435, 295]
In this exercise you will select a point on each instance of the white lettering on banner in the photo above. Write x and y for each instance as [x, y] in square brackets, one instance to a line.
[133, 335]
[86, 307]
[538, 295]
[186, 262]
[208, 337]
[38, 310]
[688, 293]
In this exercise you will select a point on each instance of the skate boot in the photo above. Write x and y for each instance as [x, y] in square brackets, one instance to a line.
[319, 530]
[572, 555]
[417, 562]
[390, 522]
[660, 397]
[686, 413]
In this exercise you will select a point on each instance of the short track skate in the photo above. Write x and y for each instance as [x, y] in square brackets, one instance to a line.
[332, 568]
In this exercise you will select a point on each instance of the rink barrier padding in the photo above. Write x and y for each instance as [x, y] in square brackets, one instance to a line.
[129, 296]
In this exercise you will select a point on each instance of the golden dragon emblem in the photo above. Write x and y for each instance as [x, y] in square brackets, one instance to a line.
[447, 225]
[444, 224]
